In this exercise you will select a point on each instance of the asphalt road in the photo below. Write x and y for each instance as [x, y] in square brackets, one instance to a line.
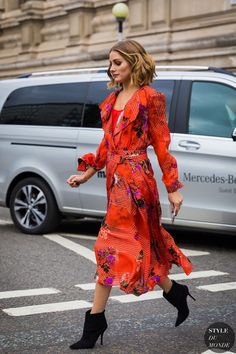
[51, 270]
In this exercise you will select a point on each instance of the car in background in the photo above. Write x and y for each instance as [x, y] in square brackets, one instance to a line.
[49, 119]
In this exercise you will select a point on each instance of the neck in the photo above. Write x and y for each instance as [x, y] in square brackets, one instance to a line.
[127, 87]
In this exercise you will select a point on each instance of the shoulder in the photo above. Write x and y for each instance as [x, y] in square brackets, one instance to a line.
[151, 93]
[154, 97]
[107, 100]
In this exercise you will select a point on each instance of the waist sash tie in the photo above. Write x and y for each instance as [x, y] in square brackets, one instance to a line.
[115, 158]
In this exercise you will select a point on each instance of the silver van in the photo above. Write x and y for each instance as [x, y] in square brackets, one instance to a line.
[49, 119]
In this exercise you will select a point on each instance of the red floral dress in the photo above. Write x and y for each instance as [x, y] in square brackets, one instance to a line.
[133, 249]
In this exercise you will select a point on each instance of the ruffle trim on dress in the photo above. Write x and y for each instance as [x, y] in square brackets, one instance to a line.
[86, 161]
[174, 186]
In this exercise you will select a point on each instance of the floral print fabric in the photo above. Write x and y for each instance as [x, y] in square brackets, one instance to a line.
[133, 249]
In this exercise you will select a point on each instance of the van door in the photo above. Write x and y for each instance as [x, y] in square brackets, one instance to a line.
[93, 193]
[206, 153]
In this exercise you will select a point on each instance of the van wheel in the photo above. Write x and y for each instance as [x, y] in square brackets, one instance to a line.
[33, 207]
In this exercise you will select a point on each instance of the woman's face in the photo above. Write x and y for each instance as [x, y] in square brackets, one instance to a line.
[119, 68]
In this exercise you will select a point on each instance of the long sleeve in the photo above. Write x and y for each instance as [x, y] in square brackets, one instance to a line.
[160, 139]
[98, 162]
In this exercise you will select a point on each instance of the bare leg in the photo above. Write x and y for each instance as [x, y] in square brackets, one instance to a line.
[101, 296]
[166, 284]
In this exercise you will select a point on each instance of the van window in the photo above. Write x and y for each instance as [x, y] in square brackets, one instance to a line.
[212, 109]
[51, 105]
[166, 87]
[97, 92]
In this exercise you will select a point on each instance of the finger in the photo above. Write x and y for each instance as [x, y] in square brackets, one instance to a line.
[176, 210]
[172, 207]
[70, 179]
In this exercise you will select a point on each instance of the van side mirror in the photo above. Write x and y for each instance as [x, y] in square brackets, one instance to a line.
[234, 134]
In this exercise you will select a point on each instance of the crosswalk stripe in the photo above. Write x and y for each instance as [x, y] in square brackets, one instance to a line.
[155, 294]
[178, 276]
[27, 292]
[44, 308]
[197, 274]
[5, 222]
[88, 286]
[193, 253]
[211, 352]
[73, 246]
[187, 252]
[82, 237]
[219, 286]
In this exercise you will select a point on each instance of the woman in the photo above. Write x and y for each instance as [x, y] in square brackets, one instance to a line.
[133, 250]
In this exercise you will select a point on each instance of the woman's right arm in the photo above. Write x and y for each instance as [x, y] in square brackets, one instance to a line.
[90, 164]
[76, 180]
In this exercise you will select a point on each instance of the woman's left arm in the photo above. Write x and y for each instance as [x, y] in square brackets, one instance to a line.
[159, 134]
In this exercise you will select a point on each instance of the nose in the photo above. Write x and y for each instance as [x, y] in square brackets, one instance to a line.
[112, 69]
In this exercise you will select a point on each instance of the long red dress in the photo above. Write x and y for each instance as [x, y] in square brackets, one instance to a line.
[133, 249]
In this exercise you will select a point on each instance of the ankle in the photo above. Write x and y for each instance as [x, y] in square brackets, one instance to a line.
[93, 311]
[168, 287]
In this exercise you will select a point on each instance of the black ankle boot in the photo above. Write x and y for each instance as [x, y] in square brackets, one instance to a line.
[95, 325]
[177, 296]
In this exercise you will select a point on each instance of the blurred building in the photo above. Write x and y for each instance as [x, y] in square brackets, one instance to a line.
[40, 35]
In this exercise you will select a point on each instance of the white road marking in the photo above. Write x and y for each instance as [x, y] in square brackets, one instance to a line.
[193, 253]
[82, 237]
[198, 274]
[211, 352]
[27, 292]
[86, 286]
[89, 254]
[156, 294]
[178, 276]
[132, 298]
[73, 246]
[5, 222]
[219, 286]
[44, 308]
[187, 252]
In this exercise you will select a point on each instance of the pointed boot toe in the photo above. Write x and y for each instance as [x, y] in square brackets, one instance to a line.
[177, 296]
[94, 326]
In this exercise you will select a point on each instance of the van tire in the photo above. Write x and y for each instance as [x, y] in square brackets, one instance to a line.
[27, 214]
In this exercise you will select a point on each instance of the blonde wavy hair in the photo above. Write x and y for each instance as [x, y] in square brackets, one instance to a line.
[141, 63]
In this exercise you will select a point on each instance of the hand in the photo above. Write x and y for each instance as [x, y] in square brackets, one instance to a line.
[176, 200]
[76, 180]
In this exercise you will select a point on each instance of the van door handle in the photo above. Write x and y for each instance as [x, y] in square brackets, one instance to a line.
[189, 145]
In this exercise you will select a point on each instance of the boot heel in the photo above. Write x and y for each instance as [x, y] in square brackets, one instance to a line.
[191, 296]
[102, 338]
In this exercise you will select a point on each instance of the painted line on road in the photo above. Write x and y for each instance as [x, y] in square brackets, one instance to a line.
[211, 352]
[178, 276]
[156, 294]
[219, 286]
[45, 308]
[82, 237]
[27, 292]
[187, 252]
[150, 295]
[88, 286]
[193, 253]
[198, 274]
[5, 222]
[73, 246]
